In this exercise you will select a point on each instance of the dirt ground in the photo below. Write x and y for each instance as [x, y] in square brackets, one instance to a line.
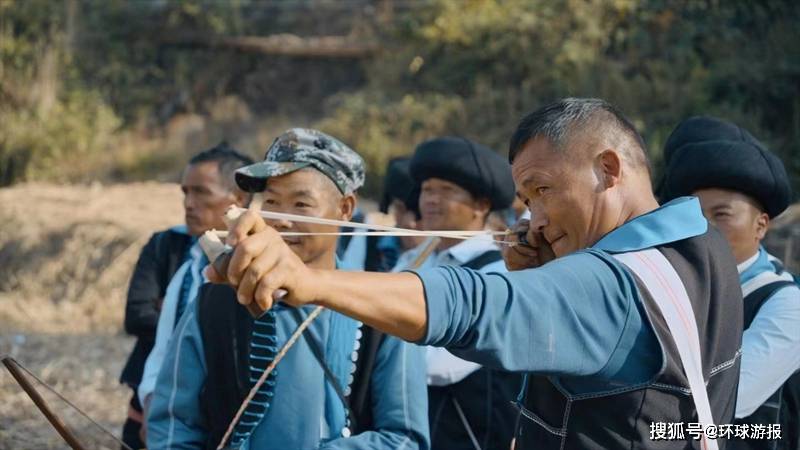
[83, 368]
[66, 254]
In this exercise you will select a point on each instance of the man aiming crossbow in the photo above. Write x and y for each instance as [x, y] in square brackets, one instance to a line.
[636, 320]
[337, 389]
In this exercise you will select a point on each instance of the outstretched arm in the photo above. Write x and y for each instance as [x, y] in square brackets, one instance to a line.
[262, 263]
[577, 315]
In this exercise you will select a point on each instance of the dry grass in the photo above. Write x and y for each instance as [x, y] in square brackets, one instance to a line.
[67, 251]
[66, 254]
[83, 368]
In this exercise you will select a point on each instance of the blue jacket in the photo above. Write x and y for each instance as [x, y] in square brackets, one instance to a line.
[305, 412]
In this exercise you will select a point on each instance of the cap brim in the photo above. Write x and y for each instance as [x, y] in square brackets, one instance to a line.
[253, 178]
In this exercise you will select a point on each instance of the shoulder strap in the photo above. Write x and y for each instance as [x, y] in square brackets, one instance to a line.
[483, 260]
[763, 279]
[755, 299]
[669, 293]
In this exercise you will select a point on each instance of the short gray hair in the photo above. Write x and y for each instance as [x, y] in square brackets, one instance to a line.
[560, 120]
[227, 158]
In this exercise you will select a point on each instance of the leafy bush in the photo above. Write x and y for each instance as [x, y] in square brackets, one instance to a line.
[76, 75]
[660, 62]
[380, 128]
[69, 141]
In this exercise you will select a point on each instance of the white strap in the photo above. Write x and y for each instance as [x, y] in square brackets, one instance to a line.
[763, 279]
[669, 293]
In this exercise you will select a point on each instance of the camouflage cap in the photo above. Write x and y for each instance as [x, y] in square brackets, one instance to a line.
[298, 148]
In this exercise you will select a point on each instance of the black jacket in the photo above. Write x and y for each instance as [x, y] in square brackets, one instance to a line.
[159, 260]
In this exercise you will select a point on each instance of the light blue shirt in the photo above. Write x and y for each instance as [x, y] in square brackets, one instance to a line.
[456, 255]
[579, 315]
[444, 368]
[192, 267]
[296, 418]
[771, 344]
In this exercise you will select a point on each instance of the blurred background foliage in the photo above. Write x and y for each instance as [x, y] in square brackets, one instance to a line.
[122, 90]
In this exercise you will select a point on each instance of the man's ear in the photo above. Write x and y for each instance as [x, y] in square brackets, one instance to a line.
[347, 206]
[609, 167]
[762, 225]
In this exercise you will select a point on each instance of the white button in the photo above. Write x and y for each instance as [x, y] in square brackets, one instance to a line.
[345, 432]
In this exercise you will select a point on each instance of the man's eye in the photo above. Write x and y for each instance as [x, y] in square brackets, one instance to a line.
[301, 205]
[542, 189]
[269, 201]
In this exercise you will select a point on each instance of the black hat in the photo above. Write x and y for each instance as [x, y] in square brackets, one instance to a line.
[478, 169]
[397, 183]
[705, 152]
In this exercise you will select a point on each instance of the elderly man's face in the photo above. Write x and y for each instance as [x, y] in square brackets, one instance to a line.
[564, 193]
[205, 197]
[307, 192]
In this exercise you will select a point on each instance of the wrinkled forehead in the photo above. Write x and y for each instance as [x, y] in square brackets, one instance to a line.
[539, 157]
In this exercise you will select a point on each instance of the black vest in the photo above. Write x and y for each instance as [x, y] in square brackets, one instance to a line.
[483, 398]
[225, 328]
[553, 418]
[782, 407]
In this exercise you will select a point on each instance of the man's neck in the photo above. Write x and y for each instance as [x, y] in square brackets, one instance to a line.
[744, 263]
[641, 204]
